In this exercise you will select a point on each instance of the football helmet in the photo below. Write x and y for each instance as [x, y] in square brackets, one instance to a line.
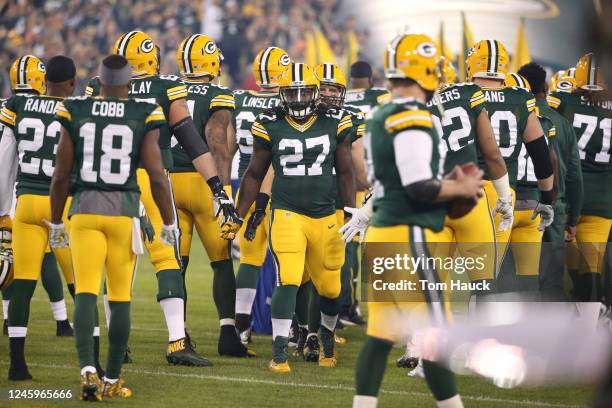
[588, 73]
[198, 56]
[413, 56]
[299, 90]
[517, 80]
[448, 73]
[140, 51]
[27, 73]
[566, 83]
[488, 59]
[332, 76]
[268, 66]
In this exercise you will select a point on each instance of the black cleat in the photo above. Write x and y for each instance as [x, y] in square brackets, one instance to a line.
[5, 328]
[406, 361]
[351, 317]
[64, 329]
[230, 345]
[311, 348]
[243, 325]
[301, 341]
[127, 358]
[19, 373]
[91, 387]
[181, 352]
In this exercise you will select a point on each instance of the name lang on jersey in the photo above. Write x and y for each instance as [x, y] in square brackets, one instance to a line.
[41, 105]
[143, 87]
[494, 95]
[258, 102]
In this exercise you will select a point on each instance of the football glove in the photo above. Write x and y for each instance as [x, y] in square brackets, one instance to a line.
[257, 216]
[504, 207]
[547, 214]
[230, 227]
[58, 237]
[146, 228]
[169, 234]
[356, 225]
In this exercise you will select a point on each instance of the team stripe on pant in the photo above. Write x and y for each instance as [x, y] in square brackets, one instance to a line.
[177, 245]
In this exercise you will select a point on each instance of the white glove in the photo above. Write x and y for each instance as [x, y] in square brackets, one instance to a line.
[356, 225]
[503, 206]
[58, 237]
[169, 234]
[547, 215]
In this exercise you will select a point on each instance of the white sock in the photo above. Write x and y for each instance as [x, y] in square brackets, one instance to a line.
[107, 310]
[5, 305]
[17, 331]
[175, 317]
[59, 310]
[244, 300]
[96, 332]
[453, 402]
[110, 380]
[280, 327]
[364, 401]
[589, 312]
[88, 369]
[329, 322]
[227, 322]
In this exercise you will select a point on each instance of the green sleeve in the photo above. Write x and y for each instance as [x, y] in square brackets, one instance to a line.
[155, 118]
[261, 136]
[63, 115]
[573, 179]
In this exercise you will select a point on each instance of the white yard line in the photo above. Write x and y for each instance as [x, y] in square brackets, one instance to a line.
[248, 380]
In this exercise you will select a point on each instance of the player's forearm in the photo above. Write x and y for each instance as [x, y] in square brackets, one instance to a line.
[345, 174]
[249, 187]
[266, 184]
[574, 188]
[359, 168]
[496, 166]
[205, 165]
[58, 192]
[160, 188]
[217, 138]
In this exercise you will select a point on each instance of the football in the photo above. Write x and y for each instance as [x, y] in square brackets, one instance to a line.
[460, 207]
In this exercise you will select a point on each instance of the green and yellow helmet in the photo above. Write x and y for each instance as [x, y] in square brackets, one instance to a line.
[299, 90]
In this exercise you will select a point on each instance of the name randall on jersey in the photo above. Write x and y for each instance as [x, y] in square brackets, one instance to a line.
[424, 285]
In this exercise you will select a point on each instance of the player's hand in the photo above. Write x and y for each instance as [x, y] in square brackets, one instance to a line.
[230, 227]
[146, 228]
[223, 204]
[357, 224]
[169, 234]
[570, 233]
[58, 237]
[471, 184]
[254, 220]
[547, 214]
[504, 207]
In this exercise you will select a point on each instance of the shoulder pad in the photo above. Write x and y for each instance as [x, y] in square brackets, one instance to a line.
[170, 78]
[408, 116]
[143, 100]
[239, 91]
[267, 116]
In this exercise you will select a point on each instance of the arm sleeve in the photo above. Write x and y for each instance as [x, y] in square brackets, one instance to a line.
[345, 128]
[260, 135]
[177, 90]
[63, 115]
[383, 98]
[477, 102]
[8, 115]
[573, 178]
[155, 119]
[223, 100]
[8, 167]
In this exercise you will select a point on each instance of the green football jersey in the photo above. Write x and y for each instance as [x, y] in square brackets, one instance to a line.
[202, 100]
[249, 104]
[392, 206]
[366, 99]
[32, 119]
[508, 108]
[462, 104]
[592, 122]
[2, 102]
[108, 134]
[303, 158]
[358, 118]
[159, 89]
[526, 181]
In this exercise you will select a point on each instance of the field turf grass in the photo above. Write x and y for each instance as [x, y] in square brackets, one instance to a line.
[231, 382]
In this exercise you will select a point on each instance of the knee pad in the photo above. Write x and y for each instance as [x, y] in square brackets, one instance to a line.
[170, 284]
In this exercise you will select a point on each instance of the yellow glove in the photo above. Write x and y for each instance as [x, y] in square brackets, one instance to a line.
[230, 227]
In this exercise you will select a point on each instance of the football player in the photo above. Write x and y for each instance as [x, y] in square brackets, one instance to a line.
[104, 231]
[361, 92]
[170, 93]
[211, 107]
[589, 109]
[526, 236]
[403, 143]
[303, 146]
[515, 123]
[569, 189]
[27, 75]
[32, 117]
[268, 66]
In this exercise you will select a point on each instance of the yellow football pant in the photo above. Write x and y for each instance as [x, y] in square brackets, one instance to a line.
[502, 238]
[254, 252]
[163, 257]
[31, 237]
[194, 203]
[98, 242]
[591, 240]
[474, 235]
[307, 248]
[393, 321]
[526, 243]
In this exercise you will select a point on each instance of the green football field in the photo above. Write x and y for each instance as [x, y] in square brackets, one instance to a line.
[232, 382]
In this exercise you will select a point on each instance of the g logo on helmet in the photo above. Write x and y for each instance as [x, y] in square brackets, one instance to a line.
[41, 67]
[426, 49]
[147, 45]
[564, 85]
[210, 47]
[285, 60]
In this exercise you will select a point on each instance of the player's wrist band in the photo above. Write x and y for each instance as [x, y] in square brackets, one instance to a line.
[215, 184]
[546, 197]
[261, 202]
[502, 186]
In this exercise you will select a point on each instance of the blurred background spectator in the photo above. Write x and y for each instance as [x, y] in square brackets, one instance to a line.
[310, 31]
